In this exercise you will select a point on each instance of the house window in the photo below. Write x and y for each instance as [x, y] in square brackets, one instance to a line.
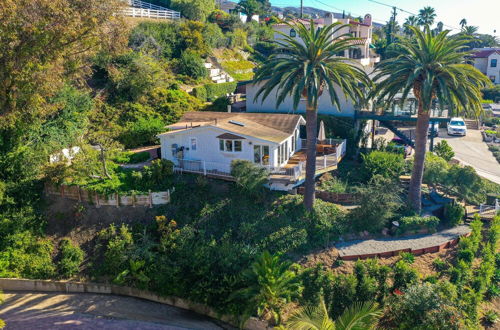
[194, 144]
[493, 63]
[261, 154]
[230, 145]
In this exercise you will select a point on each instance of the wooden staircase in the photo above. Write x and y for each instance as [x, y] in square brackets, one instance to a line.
[471, 124]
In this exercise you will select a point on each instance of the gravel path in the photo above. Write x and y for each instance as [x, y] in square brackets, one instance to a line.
[359, 247]
[24, 310]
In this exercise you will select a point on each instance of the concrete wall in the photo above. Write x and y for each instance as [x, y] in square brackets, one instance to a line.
[324, 105]
[481, 64]
[9, 284]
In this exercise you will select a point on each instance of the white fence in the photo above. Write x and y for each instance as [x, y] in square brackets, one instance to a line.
[489, 211]
[144, 5]
[151, 13]
[223, 170]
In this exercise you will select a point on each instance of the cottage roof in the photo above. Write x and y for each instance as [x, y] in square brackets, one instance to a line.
[265, 126]
[484, 53]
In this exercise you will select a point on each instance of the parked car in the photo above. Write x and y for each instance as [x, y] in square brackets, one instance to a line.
[436, 129]
[456, 126]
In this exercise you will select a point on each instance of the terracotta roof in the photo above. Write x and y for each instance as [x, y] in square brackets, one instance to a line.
[303, 21]
[265, 126]
[357, 23]
[484, 53]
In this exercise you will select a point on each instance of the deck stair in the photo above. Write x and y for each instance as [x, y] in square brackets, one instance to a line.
[217, 75]
[397, 132]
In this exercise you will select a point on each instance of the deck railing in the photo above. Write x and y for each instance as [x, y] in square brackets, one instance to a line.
[223, 170]
[150, 13]
[489, 211]
[144, 5]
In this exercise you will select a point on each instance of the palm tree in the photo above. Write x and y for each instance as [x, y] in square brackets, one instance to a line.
[359, 316]
[410, 21]
[426, 16]
[463, 23]
[433, 67]
[470, 31]
[304, 67]
[271, 285]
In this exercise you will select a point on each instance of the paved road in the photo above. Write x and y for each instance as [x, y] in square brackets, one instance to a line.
[93, 311]
[471, 150]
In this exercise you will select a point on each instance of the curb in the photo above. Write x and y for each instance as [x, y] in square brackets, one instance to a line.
[14, 284]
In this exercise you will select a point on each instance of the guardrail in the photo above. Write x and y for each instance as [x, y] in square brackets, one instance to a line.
[145, 5]
[150, 13]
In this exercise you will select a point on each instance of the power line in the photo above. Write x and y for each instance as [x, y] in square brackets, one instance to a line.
[343, 10]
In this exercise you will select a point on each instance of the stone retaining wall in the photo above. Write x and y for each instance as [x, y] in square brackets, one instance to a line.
[333, 197]
[11, 284]
[82, 195]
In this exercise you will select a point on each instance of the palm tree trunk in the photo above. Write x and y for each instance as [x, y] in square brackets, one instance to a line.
[312, 132]
[415, 191]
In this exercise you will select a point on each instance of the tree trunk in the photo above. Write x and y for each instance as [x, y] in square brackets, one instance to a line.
[103, 162]
[415, 191]
[312, 133]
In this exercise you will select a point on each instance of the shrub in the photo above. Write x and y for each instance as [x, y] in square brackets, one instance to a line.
[416, 223]
[454, 214]
[71, 258]
[386, 164]
[439, 264]
[192, 65]
[491, 316]
[142, 132]
[408, 257]
[435, 169]
[139, 157]
[211, 92]
[250, 178]
[333, 184]
[404, 275]
[117, 244]
[378, 202]
[444, 150]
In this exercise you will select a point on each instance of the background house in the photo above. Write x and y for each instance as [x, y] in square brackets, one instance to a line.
[487, 60]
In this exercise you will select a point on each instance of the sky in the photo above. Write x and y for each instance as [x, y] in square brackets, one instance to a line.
[484, 14]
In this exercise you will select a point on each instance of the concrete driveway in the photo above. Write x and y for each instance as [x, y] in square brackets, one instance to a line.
[25, 310]
[471, 150]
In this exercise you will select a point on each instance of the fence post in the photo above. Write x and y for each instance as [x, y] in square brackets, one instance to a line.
[79, 194]
[150, 199]
[117, 200]
[97, 201]
[204, 168]
[324, 161]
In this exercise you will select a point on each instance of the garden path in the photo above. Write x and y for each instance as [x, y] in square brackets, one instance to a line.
[386, 245]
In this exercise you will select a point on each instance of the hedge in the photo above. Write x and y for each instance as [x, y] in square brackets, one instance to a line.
[210, 92]
[415, 223]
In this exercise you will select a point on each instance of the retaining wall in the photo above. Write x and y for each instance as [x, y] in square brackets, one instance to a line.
[115, 199]
[11, 284]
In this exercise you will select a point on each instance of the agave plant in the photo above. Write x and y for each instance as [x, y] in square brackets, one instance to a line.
[304, 68]
[433, 67]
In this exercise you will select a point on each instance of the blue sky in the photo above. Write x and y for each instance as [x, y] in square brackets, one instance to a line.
[481, 13]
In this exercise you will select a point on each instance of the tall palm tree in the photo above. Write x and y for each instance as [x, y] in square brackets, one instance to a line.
[426, 16]
[433, 67]
[271, 285]
[470, 31]
[410, 21]
[304, 67]
[249, 8]
[360, 316]
[463, 23]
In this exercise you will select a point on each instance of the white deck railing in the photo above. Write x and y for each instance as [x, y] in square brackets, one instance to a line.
[144, 5]
[223, 170]
[150, 13]
[489, 211]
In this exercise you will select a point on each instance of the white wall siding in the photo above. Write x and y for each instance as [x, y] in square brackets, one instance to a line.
[493, 73]
[324, 106]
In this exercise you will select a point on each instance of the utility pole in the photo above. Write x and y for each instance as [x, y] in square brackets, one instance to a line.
[392, 26]
[301, 8]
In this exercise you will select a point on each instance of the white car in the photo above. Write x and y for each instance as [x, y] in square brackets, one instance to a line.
[456, 126]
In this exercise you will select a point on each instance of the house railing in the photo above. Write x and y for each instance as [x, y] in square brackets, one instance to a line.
[222, 170]
[150, 13]
[489, 211]
[144, 5]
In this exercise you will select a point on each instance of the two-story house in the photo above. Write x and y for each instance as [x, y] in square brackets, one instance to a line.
[487, 60]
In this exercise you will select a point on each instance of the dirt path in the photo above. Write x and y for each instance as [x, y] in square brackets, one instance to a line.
[24, 310]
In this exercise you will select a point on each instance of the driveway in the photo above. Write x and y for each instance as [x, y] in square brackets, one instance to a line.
[23, 310]
[471, 150]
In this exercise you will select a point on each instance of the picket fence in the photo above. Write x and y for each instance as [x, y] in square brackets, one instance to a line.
[114, 199]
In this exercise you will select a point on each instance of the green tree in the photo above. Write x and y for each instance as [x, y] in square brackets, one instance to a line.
[426, 16]
[463, 23]
[249, 8]
[249, 177]
[197, 10]
[444, 150]
[433, 67]
[305, 70]
[271, 284]
[387, 164]
[410, 21]
[359, 316]
[192, 65]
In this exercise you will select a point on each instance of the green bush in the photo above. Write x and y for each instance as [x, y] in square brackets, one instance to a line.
[139, 157]
[444, 150]
[249, 177]
[71, 258]
[439, 264]
[416, 223]
[142, 132]
[454, 214]
[210, 92]
[191, 64]
[408, 257]
[404, 275]
[386, 164]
